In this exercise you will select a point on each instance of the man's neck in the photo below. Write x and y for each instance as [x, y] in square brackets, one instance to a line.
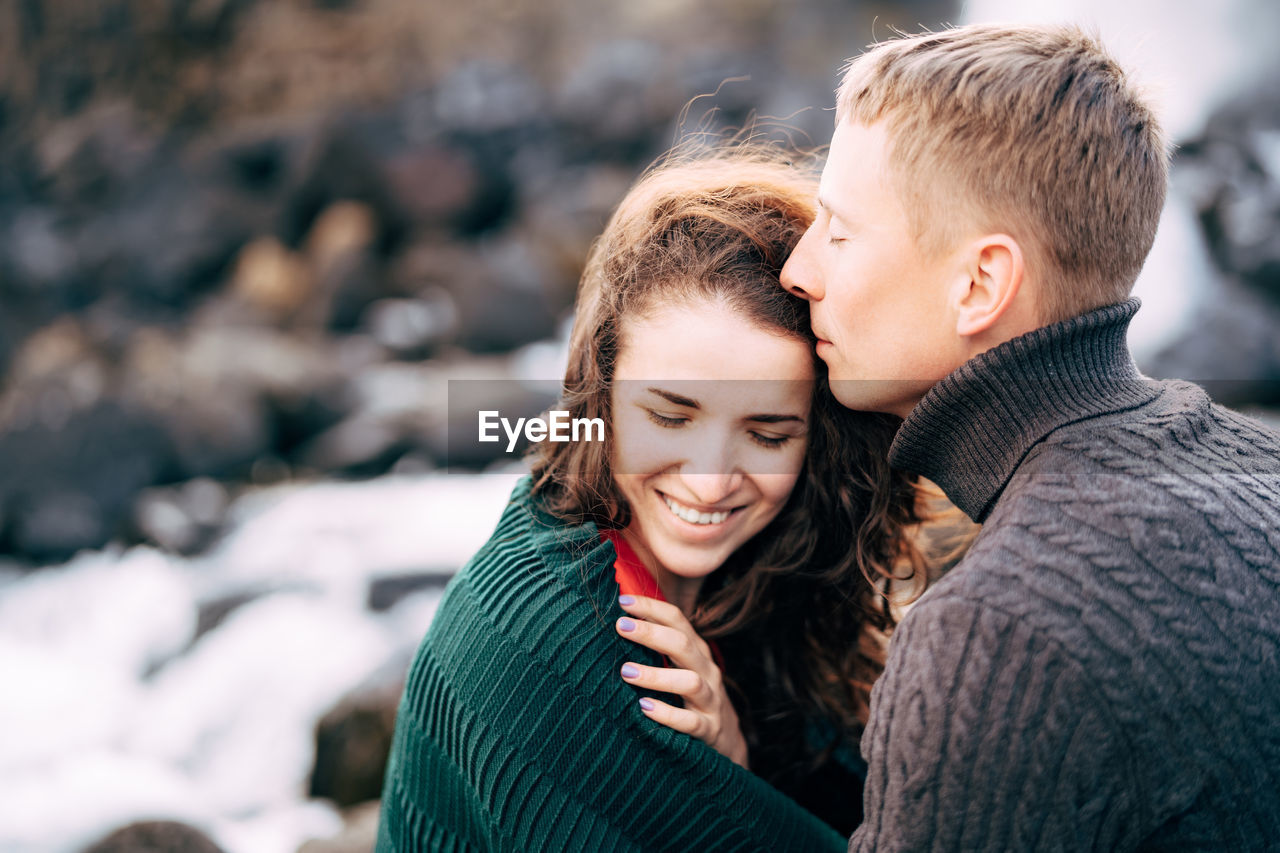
[972, 429]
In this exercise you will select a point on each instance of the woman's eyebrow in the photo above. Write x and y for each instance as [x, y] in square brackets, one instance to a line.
[678, 399]
[774, 419]
[690, 403]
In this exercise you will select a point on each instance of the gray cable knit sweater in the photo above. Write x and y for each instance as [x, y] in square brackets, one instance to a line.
[1102, 670]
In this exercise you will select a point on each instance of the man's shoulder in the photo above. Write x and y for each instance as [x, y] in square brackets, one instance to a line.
[1181, 431]
[1180, 461]
[1138, 533]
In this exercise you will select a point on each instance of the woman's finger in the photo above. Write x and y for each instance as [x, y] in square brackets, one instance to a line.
[662, 613]
[681, 682]
[682, 649]
[681, 719]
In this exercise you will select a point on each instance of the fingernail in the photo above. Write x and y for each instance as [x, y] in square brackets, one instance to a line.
[626, 624]
[647, 704]
[626, 600]
[629, 671]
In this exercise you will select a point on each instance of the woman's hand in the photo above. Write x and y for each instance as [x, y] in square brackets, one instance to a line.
[707, 714]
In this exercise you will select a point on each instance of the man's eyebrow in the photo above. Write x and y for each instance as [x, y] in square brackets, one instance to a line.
[825, 204]
[678, 399]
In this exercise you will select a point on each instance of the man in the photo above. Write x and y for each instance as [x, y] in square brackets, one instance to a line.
[1102, 670]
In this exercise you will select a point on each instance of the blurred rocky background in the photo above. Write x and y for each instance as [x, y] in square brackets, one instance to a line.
[245, 245]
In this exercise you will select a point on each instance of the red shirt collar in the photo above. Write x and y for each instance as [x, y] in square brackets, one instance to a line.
[632, 577]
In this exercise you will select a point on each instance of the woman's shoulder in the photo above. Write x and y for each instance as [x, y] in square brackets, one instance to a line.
[531, 545]
[539, 585]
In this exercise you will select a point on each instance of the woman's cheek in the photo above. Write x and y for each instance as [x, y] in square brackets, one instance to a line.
[776, 488]
[639, 445]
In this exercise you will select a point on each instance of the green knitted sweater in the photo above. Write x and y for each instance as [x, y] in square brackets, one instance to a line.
[516, 732]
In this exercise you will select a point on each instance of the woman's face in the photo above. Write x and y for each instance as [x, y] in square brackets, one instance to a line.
[710, 422]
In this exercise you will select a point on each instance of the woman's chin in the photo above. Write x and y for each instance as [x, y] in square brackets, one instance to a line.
[692, 559]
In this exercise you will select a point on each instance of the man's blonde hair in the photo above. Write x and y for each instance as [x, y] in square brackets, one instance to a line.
[1032, 131]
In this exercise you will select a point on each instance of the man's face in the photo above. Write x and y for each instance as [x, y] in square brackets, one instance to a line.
[877, 304]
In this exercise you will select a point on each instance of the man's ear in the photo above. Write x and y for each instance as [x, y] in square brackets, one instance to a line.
[994, 269]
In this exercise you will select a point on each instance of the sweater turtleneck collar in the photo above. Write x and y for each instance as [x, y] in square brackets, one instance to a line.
[972, 429]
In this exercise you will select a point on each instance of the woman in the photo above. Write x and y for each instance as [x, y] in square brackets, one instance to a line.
[732, 499]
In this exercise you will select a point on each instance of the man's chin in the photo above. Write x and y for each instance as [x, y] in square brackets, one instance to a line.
[893, 396]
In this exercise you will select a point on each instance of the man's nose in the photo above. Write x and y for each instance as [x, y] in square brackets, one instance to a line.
[799, 275]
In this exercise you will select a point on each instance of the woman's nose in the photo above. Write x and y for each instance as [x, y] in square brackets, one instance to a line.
[709, 489]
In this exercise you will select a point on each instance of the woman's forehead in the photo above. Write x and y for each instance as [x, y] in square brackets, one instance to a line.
[708, 341]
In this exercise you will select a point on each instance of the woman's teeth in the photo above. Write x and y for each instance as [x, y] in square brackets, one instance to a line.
[692, 515]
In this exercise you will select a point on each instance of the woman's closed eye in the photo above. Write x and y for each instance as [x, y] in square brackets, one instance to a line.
[772, 442]
[670, 421]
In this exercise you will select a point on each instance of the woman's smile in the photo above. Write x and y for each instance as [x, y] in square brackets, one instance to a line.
[700, 525]
[693, 515]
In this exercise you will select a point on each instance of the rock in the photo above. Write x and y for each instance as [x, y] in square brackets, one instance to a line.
[393, 407]
[55, 374]
[55, 524]
[231, 394]
[41, 252]
[386, 592]
[353, 739]
[344, 163]
[346, 287]
[493, 320]
[155, 836]
[344, 228]
[503, 296]
[91, 158]
[258, 163]
[15, 325]
[73, 486]
[205, 22]
[270, 470]
[616, 101]
[487, 95]
[171, 238]
[271, 279]
[184, 519]
[564, 212]
[1232, 349]
[359, 832]
[358, 447]
[1233, 172]
[214, 611]
[343, 257]
[434, 184]
[412, 328]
